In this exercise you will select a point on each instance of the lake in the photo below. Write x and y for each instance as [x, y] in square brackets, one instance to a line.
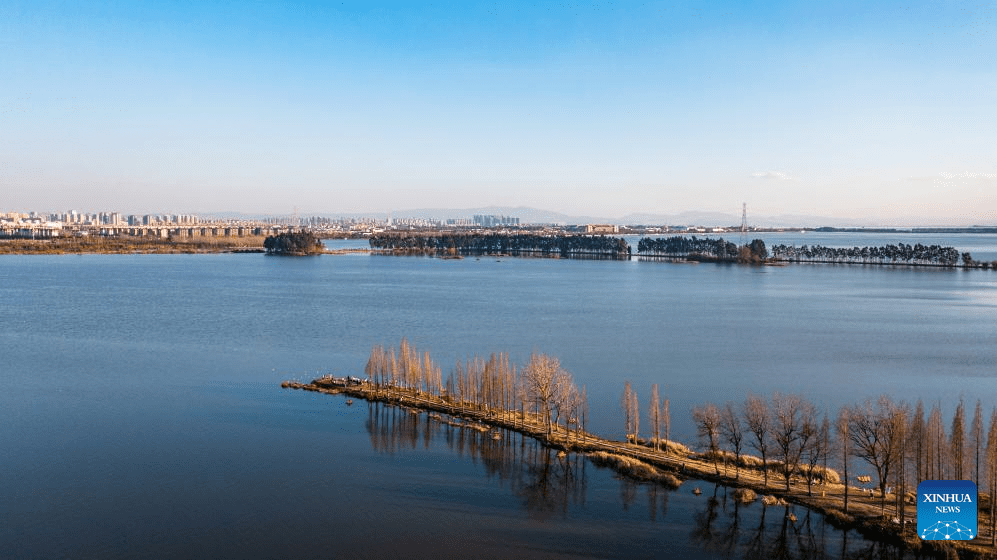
[143, 416]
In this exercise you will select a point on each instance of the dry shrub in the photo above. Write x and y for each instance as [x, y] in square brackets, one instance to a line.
[751, 462]
[717, 456]
[839, 518]
[674, 447]
[746, 462]
[829, 476]
[633, 468]
[773, 501]
[745, 495]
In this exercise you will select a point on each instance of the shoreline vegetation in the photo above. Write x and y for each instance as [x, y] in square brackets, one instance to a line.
[518, 244]
[677, 248]
[124, 244]
[561, 246]
[295, 244]
[540, 400]
[282, 244]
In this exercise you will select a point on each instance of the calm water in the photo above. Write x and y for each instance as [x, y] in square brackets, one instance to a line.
[142, 415]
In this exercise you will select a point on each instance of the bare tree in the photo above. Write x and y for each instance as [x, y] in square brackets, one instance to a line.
[631, 407]
[958, 442]
[625, 404]
[375, 365]
[756, 415]
[666, 418]
[549, 385]
[873, 432]
[936, 448]
[992, 473]
[393, 368]
[815, 448]
[403, 363]
[900, 421]
[916, 437]
[976, 440]
[567, 405]
[654, 409]
[707, 419]
[428, 384]
[583, 411]
[635, 414]
[733, 433]
[843, 433]
[788, 412]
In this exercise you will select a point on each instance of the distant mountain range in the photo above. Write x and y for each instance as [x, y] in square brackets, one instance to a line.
[529, 215]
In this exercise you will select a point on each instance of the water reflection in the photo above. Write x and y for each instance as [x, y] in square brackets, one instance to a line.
[728, 528]
[656, 495]
[553, 485]
[546, 481]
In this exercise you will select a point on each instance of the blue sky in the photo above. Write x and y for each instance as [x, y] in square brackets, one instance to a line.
[886, 111]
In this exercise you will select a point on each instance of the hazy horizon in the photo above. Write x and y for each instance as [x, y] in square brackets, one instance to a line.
[858, 112]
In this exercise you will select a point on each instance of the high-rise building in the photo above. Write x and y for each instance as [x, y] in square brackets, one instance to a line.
[492, 220]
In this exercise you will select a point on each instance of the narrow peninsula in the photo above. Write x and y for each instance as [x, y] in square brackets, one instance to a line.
[540, 400]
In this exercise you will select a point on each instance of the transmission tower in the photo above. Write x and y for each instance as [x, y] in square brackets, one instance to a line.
[744, 221]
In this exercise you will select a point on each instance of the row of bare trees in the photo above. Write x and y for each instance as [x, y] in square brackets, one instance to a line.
[541, 389]
[404, 368]
[659, 415]
[900, 443]
[786, 431]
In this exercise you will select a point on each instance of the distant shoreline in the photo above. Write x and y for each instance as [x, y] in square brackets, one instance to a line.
[130, 245]
[687, 250]
[914, 230]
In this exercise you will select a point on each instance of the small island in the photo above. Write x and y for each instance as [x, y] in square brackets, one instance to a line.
[297, 244]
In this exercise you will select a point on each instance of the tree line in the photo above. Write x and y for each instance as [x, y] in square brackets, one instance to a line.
[293, 243]
[901, 253]
[900, 443]
[541, 389]
[503, 244]
[702, 248]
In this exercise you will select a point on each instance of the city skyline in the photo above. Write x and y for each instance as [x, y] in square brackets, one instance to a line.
[876, 113]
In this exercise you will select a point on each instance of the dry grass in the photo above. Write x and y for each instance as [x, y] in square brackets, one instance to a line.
[634, 468]
[745, 495]
[751, 462]
[667, 446]
[829, 476]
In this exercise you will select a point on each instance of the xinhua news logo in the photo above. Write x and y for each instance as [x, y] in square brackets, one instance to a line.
[946, 510]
